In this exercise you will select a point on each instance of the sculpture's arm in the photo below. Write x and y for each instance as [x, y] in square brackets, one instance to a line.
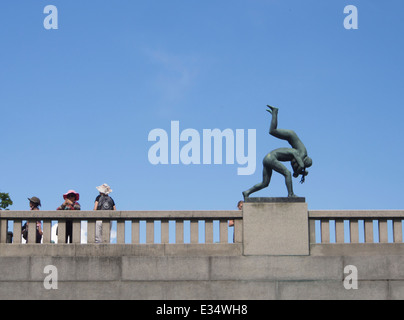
[295, 168]
[299, 160]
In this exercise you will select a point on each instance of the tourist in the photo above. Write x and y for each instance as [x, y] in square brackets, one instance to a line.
[231, 222]
[102, 202]
[34, 204]
[240, 207]
[71, 197]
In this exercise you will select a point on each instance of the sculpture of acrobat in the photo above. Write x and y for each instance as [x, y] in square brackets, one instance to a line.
[297, 155]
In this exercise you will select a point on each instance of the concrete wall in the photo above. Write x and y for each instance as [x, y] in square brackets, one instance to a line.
[183, 272]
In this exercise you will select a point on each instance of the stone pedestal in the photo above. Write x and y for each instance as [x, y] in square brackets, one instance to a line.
[275, 226]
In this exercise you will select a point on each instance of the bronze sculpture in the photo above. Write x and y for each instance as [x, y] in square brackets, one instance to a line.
[297, 155]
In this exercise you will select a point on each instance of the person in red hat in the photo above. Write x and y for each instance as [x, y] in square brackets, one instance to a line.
[71, 197]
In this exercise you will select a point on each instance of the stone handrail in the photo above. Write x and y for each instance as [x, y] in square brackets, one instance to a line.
[325, 226]
[356, 226]
[134, 217]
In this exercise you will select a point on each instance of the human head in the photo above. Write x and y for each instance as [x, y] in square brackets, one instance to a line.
[70, 194]
[240, 204]
[104, 189]
[34, 202]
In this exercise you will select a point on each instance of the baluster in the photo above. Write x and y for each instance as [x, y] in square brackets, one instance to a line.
[383, 234]
[194, 231]
[325, 231]
[339, 231]
[135, 231]
[398, 231]
[312, 226]
[165, 231]
[223, 231]
[238, 231]
[91, 225]
[76, 231]
[208, 231]
[149, 231]
[31, 231]
[62, 231]
[3, 230]
[106, 231]
[17, 231]
[120, 231]
[179, 231]
[368, 231]
[47, 231]
[354, 231]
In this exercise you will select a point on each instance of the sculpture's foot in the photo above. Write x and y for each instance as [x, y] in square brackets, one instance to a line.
[273, 109]
[292, 196]
[245, 194]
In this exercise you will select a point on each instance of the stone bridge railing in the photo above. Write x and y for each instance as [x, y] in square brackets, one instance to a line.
[129, 224]
[356, 226]
[316, 227]
[281, 250]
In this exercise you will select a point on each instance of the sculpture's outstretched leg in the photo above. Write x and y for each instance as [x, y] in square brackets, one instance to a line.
[282, 134]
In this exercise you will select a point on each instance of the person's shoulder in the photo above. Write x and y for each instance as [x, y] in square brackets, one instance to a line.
[97, 198]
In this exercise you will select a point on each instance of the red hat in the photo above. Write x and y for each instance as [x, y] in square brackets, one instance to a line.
[71, 191]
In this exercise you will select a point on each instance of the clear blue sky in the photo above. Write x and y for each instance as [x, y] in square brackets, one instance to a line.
[78, 103]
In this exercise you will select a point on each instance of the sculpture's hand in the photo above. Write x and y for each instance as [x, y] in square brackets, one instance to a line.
[300, 172]
[304, 173]
[295, 167]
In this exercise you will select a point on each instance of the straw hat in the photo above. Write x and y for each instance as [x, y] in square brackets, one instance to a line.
[104, 188]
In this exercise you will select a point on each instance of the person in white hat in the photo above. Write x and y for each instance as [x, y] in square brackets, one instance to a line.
[102, 202]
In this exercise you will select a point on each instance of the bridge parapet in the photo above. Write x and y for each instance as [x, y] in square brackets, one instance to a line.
[278, 227]
[280, 251]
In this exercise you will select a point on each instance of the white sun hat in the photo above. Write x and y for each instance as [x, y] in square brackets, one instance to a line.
[104, 188]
